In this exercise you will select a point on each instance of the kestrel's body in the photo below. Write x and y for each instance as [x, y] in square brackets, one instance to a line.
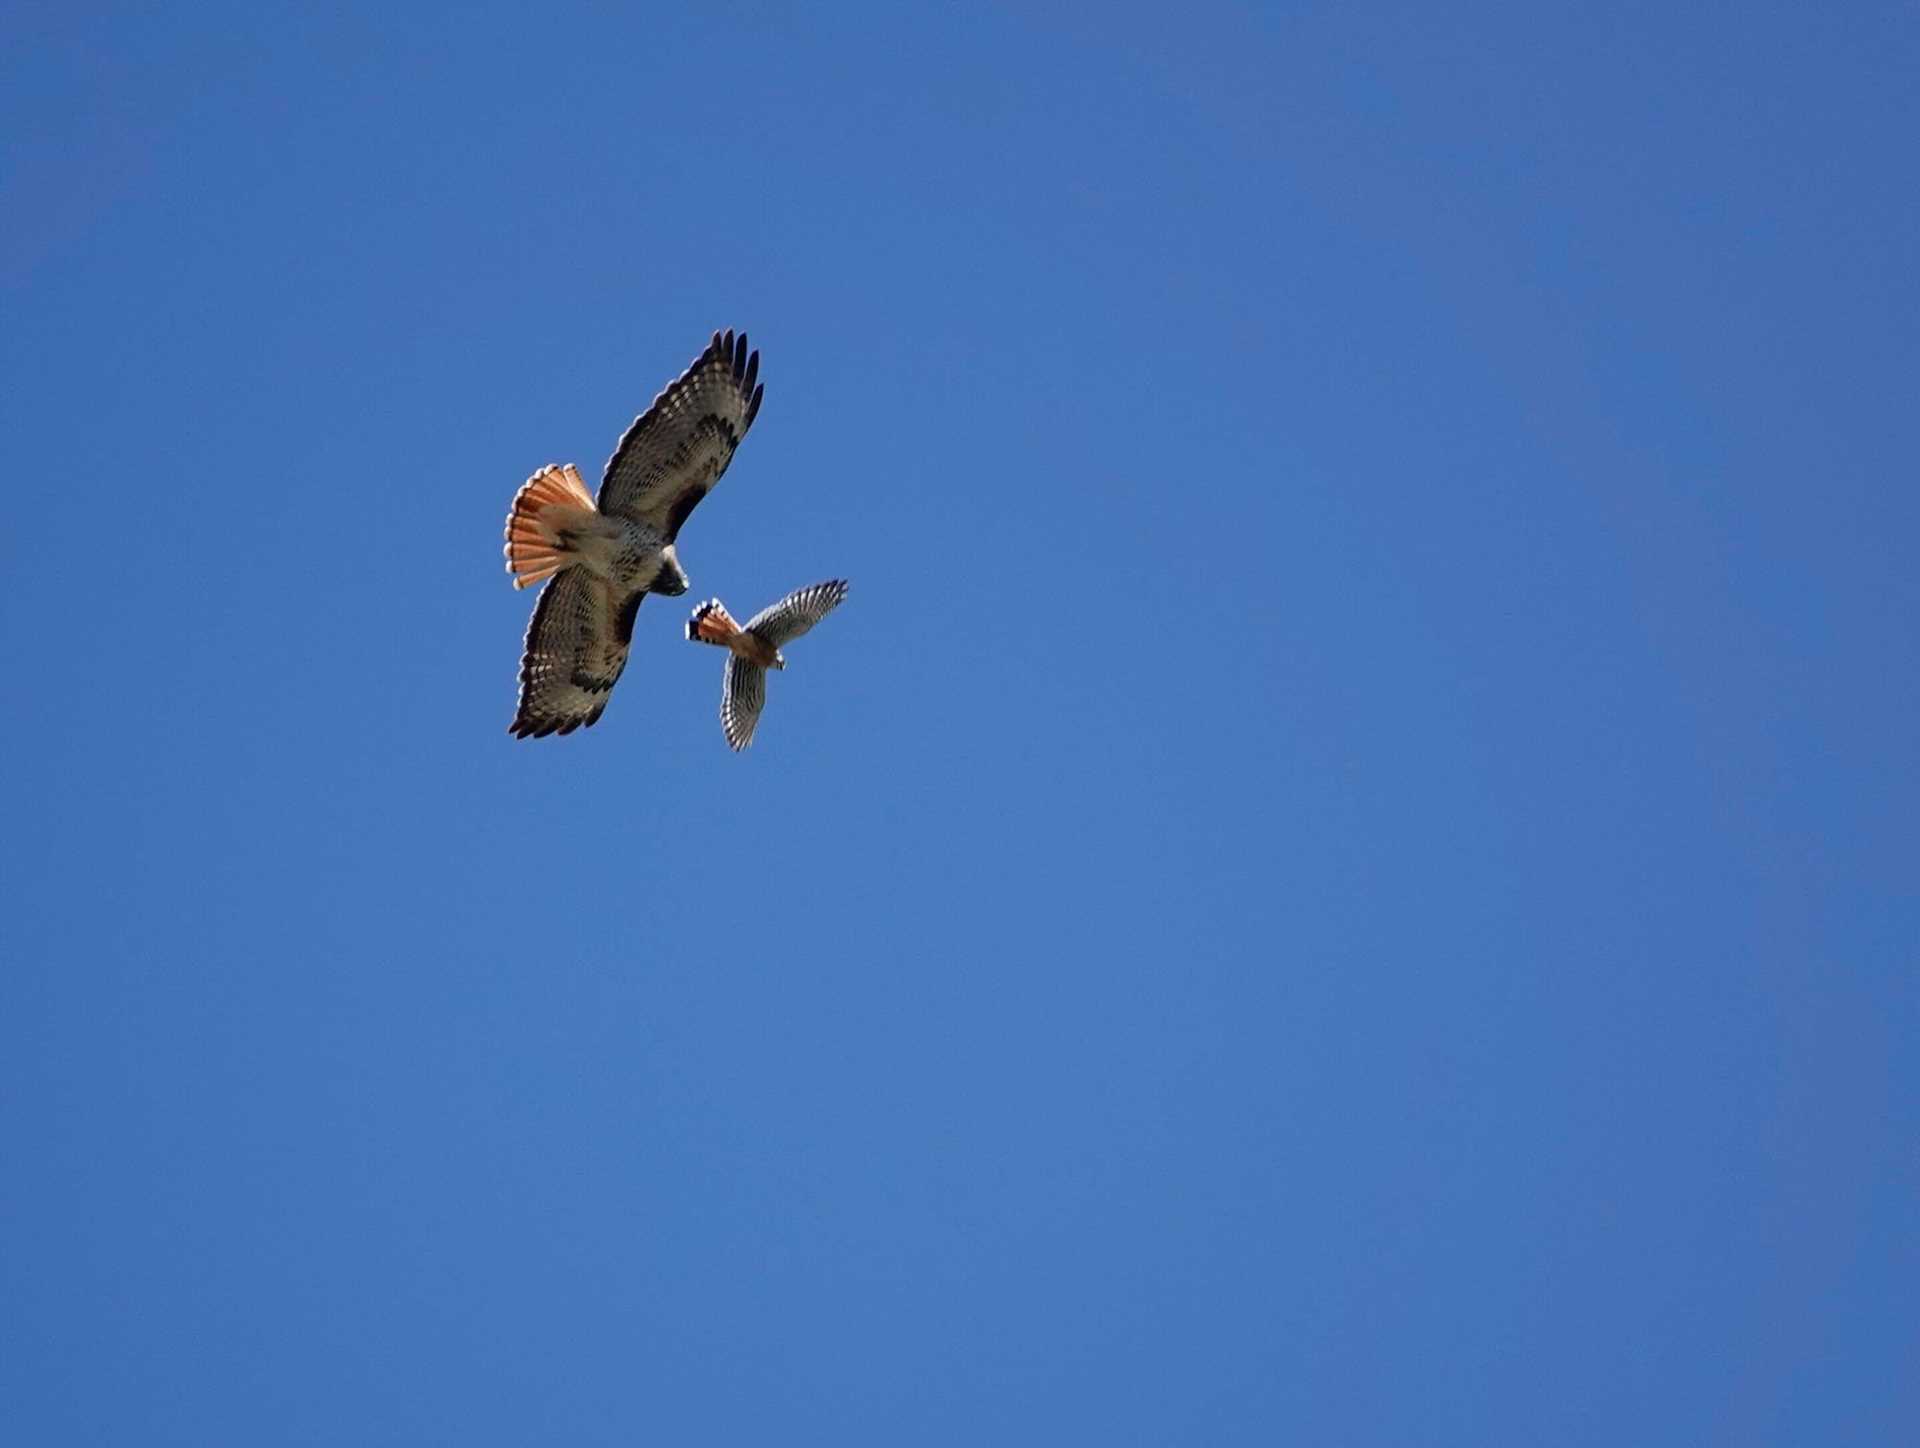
[600, 557]
[756, 648]
[744, 644]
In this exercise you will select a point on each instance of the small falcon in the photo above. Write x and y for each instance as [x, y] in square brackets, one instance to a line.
[601, 557]
[756, 648]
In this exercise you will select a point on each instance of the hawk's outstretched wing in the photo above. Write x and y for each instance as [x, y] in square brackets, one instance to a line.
[780, 623]
[742, 696]
[676, 450]
[576, 647]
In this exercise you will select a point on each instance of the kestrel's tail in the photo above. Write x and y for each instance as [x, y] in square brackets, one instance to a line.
[712, 624]
[549, 504]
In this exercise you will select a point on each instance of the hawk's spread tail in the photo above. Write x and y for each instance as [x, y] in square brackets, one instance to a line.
[712, 624]
[548, 504]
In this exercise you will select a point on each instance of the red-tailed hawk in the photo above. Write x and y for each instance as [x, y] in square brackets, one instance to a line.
[600, 558]
[756, 648]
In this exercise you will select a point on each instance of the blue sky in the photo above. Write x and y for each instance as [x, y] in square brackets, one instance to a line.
[1345, 874]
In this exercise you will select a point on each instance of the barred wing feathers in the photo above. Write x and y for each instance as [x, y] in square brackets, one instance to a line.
[742, 697]
[576, 649]
[780, 623]
[677, 449]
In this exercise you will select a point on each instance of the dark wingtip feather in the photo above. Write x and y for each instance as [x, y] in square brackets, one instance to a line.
[753, 407]
[753, 372]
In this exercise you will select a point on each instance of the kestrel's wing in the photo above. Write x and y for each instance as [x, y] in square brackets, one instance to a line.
[676, 450]
[742, 697]
[576, 647]
[780, 623]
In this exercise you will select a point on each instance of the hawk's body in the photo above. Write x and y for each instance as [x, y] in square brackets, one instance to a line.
[600, 557]
[756, 648]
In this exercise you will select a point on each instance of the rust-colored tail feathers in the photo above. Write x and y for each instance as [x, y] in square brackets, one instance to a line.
[712, 624]
[549, 502]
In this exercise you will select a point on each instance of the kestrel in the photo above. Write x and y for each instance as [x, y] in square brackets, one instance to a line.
[601, 558]
[756, 648]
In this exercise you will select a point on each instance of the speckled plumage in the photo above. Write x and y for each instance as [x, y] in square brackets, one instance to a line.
[602, 556]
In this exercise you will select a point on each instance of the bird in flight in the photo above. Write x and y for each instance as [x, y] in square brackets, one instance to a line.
[599, 558]
[756, 648]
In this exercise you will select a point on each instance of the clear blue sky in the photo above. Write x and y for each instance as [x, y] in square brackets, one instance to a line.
[1347, 873]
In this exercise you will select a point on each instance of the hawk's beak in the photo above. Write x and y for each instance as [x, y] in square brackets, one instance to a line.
[671, 580]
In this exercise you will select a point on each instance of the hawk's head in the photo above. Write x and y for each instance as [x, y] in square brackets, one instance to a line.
[671, 579]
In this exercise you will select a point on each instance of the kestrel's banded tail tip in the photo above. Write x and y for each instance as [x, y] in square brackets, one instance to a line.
[711, 624]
